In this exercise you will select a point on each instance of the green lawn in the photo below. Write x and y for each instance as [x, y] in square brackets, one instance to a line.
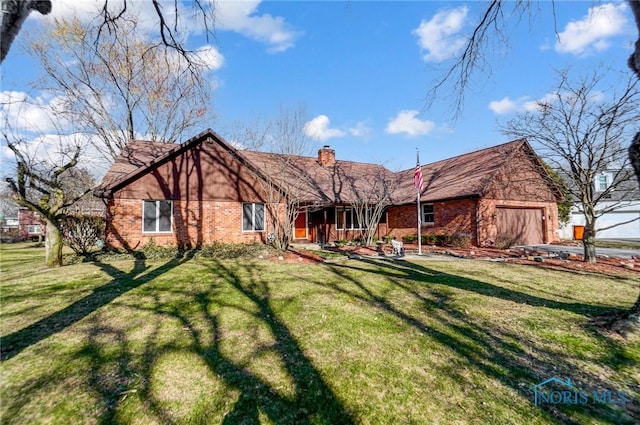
[205, 341]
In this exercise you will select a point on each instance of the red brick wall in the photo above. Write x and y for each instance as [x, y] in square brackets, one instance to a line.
[449, 217]
[194, 224]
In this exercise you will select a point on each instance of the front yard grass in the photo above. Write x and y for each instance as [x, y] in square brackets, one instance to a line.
[205, 341]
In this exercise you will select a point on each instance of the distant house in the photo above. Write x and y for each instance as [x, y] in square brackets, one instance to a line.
[30, 224]
[205, 191]
[618, 211]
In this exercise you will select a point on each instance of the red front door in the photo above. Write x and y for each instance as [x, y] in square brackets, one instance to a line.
[301, 226]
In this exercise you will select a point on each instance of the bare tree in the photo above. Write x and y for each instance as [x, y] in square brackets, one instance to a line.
[123, 88]
[634, 149]
[371, 200]
[283, 142]
[491, 28]
[48, 187]
[284, 180]
[582, 135]
[13, 13]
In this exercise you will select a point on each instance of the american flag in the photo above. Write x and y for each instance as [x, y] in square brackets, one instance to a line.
[417, 176]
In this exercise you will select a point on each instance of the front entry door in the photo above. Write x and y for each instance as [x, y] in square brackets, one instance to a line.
[301, 226]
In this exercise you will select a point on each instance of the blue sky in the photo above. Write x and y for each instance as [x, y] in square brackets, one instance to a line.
[362, 69]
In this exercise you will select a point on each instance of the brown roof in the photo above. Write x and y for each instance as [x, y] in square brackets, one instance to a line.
[458, 177]
[136, 155]
[344, 182]
[461, 176]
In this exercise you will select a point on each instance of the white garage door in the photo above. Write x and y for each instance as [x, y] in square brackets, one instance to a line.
[623, 231]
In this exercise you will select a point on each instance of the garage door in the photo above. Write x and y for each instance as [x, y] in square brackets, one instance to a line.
[525, 224]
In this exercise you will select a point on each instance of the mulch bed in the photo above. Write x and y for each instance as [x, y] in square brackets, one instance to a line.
[609, 266]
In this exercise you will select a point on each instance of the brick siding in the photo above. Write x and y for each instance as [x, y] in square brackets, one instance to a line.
[449, 217]
[194, 224]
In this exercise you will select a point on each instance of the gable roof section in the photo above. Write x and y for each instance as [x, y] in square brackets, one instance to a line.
[466, 175]
[140, 157]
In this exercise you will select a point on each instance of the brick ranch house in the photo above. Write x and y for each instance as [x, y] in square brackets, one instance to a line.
[204, 191]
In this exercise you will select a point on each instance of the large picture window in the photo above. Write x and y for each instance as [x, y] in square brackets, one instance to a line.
[252, 217]
[157, 216]
[427, 214]
[347, 219]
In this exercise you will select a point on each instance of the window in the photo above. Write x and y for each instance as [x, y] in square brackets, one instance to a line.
[602, 183]
[157, 216]
[427, 214]
[347, 219]
[252, 217]
[34, 229]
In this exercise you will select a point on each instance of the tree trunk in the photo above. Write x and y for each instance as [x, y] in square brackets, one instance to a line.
[589, 244]
[53, 245]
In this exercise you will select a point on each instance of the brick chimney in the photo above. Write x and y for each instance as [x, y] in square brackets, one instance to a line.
[326, 156]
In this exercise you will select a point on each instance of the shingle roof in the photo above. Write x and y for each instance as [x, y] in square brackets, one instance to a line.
[461, 176]
[344, 182]
[137, 154]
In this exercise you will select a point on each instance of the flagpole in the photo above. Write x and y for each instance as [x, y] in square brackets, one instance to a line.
[418, 204]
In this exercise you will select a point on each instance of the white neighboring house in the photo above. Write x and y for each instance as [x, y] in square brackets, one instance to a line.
[623, 204]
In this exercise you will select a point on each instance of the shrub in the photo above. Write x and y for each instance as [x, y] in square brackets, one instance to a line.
[504, 241]
[461, 239]
[82, 233]
[443, 239]
[340, 242]
[230, 251]
[429, 239]
[387, 239]
[410, 238]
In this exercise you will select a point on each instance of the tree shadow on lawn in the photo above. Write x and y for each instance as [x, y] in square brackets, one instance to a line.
[516, 362]
[199, 313]
[313, 400]
[121, 283]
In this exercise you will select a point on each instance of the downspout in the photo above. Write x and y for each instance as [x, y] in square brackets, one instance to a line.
[477, 222]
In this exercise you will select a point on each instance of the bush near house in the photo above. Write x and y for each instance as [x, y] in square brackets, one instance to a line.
[430, 239]
[504, 241]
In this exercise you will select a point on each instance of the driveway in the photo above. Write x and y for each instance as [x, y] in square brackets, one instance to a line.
[610, 252]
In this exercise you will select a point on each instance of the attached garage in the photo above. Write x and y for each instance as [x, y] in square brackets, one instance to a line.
[525, 224]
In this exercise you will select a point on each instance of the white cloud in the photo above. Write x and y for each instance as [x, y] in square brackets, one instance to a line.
[439, 36]
[503, 106]
[361, 129]
[593, 31]
[526, 104]
[55, 150]
[242, 17]
[407, 122]
[29, 114]
[209, 57]
[318, 129]
[237, 16]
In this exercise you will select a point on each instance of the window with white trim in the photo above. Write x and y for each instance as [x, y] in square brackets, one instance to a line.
[34, 229]
[157, 216]
[602, 182]
[252, 217]
[428, 216]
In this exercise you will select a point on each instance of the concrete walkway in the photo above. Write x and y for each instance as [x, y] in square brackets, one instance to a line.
[609, 252]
